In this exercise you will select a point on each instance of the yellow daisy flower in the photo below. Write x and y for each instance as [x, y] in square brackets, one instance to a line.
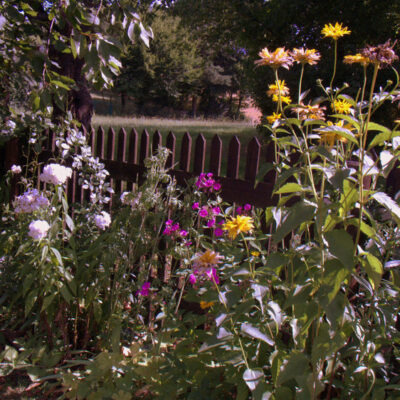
[305, 56]
[206, 304]
[284, 99]
[208, 258]
[341, 106]
[272, 118]
[278, 58]
[239, 224]
[356, 59]
[335, 31]
[274, 88]
[255, 253]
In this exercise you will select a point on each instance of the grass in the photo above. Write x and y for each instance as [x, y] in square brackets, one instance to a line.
[225, 129]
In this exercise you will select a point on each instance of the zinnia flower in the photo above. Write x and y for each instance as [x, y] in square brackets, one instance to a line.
[278, 58]
[55, 174]
[356, 59]
[383, 54]
[335, 31]
[341, 106]
[275, 88]
[307, 111]
[38, 229]
[239, 224]
[305, 56]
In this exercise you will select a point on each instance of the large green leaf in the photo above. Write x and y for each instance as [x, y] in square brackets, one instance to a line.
[299, 213]
[341, 246]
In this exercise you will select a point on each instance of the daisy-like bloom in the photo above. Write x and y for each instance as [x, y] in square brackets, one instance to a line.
[275, 88]
[204, 267]
[206, 304]
[272, 118]
[307, 111]
[305, 56]
[383, 55]
[239, 224]
[335, 31]
[356, 59]
[341, 106]
[284, 99]
[329, 138]
[278, 58]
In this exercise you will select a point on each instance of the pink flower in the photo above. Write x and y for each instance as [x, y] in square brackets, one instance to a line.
[144, 290]
[217, 186]
[183, 233]
[211, 223]
[212, 275]
[192, 279]
[195, 206]
[247, 207]
[207, 183]
[239, 210]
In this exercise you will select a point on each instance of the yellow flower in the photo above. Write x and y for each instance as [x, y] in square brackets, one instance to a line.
[305, 56]
[341, 106]
[272, 118]
[278, 58]
[255, 253]
[238, 225]
[274, 88]
[207, 259]
[206, 304]
[335, 31]
[284, 99]
[356, 59]
[330, 137]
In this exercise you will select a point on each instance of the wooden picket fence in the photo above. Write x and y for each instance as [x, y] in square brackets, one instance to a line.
[124, 153]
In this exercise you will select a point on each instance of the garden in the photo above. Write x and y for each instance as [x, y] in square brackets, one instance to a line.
[158, 287]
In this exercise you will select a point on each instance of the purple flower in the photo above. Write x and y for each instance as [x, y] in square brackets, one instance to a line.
[144, 290]
[217, 186]
[206, 182]
[192, 279]
[216, 210]
[212, 275]
[218, 232]
[183, 233]
[203, 212]
[239, 210]
[195, 206]
[211, 223]
[247, 207]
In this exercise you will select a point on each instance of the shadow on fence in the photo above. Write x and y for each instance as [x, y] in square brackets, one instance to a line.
[124, 153]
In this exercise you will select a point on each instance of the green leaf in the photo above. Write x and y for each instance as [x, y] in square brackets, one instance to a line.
[373, 126]
[253, 377]
[30, 300]
[374, 269]
[58, 256]
[290, 188]
[47, 301]
[297, 365]
[66, 294]
[341, 246]
[256, 333]
[299, 213]
[382, 137]
[387, 202]
[334, 275]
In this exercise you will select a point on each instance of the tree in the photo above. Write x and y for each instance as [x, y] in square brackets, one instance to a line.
[63, 47]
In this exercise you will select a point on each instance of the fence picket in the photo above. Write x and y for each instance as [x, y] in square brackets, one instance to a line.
[170, 144]
[186, 151]
[157, 141]
[216, 155]
[199, 154]
[253, 159]
[121, 156]
[232, 170]
[100, 142]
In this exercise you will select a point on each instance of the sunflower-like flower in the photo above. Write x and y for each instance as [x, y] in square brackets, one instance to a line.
[356, 59]
[329, 138]
[284, 99]
[207, 259]
[278, 58]
[341, 106]
[383, 55]
[272, 118]
[239, 224]
[206, 304]
[275, 88]
[335, 31]
[305, 56]
[307, 111]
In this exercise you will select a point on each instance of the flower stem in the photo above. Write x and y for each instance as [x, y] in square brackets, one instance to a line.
[334, 67]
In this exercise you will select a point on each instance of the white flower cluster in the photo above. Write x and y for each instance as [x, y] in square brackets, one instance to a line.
[16, 169]
[102, 220]
[129, 199]
[56, 174]
[92, 174]
[38, 229]
[32, 200]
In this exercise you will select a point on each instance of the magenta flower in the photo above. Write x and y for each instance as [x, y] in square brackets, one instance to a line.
[212, 275]
[239, 210]
[144, 291]
[207, 183]
[183, 233]
[247, 207]
[217, 186]
[195, 206]
[211, 223]
[192, 279]
[203, 212]
[218, 232]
